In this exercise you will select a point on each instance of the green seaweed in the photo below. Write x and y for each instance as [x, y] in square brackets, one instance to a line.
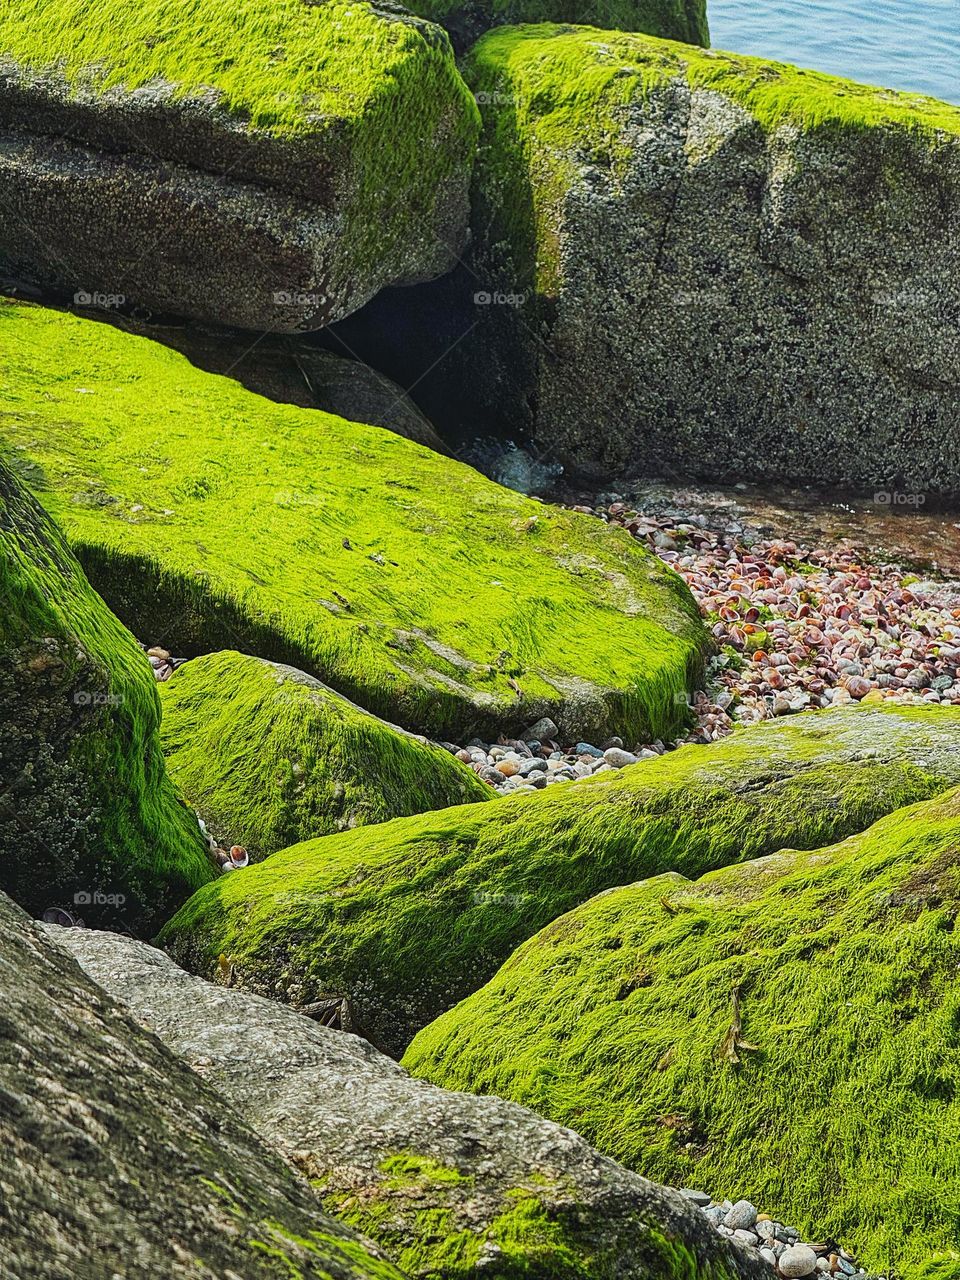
[85, 803]
[269, 758]
[684, 20]
[406, 918]
[210, 518]
[787, 1028]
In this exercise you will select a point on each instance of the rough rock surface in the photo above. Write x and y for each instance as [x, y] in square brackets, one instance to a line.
[697, 263]
[791, 1024]
[231, 167]
[88, 817]
[406, 918]
[467, 20]
[119, 1161]
[447, 1184]
[268, 756]
[210, 518]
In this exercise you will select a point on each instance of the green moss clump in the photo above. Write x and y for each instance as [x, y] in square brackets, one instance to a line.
[270, 757]
[85, 804]
[554, 98]
[210, 518]
[408, 917]
[788, 1028]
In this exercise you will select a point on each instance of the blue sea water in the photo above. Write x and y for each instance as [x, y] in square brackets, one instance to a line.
[901, 44]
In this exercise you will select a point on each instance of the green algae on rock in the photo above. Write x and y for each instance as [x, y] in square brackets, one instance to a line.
[210, 518]
[88, 817]
[449, 1185]
[243, 146]
[408, 917]
[268, 756]
[119, 1160]
[467, 20]
[788, 1025]
[725, 266]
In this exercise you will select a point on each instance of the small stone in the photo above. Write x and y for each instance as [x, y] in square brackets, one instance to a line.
[742, 1215]
[766, 1230]
[544, 728]
[508, 768]
[798, 1260]
[586, 749]
[769, 1256]
[533, 765]
[618, 758]
[746, 1238]
[699, 1198]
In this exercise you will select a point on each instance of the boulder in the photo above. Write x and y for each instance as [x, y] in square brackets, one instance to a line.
[89, 820]
[467, 20]
[789, 1026]
[447, 1184]
[268, 756]
[118, 1160]
[229, 163]
[406, 918]
[209, 518]
[692, 262]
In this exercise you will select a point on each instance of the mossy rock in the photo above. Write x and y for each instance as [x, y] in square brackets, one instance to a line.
[467, 20]
[450, 1186]
[788, 1028]
[118, 1160]
[406, 918]
[269, 756]
[229, 163]
[210, 518]
[88, 818]
[719, 266]
[294, 371]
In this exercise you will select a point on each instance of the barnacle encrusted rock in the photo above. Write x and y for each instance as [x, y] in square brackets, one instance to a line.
[89, 820]
[791, 1024]
[406, 918]
[691, 261]
[448, 1185]
[210, 518]
[228, 163]
[118, 1160]
[269, 756]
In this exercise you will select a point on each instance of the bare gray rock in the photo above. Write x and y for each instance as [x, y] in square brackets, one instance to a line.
[119, 1163]
[451, 1183]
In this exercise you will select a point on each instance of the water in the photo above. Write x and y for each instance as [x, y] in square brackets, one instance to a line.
[901, 44]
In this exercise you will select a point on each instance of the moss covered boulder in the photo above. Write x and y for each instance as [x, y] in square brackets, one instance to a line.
[406, 918]
[229, 162]
[118, 1160]
[467, 20]
[692, 261]
[451, 1186]
[210, 518]
[790, 1026]
[269, 756]
[88, 818]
